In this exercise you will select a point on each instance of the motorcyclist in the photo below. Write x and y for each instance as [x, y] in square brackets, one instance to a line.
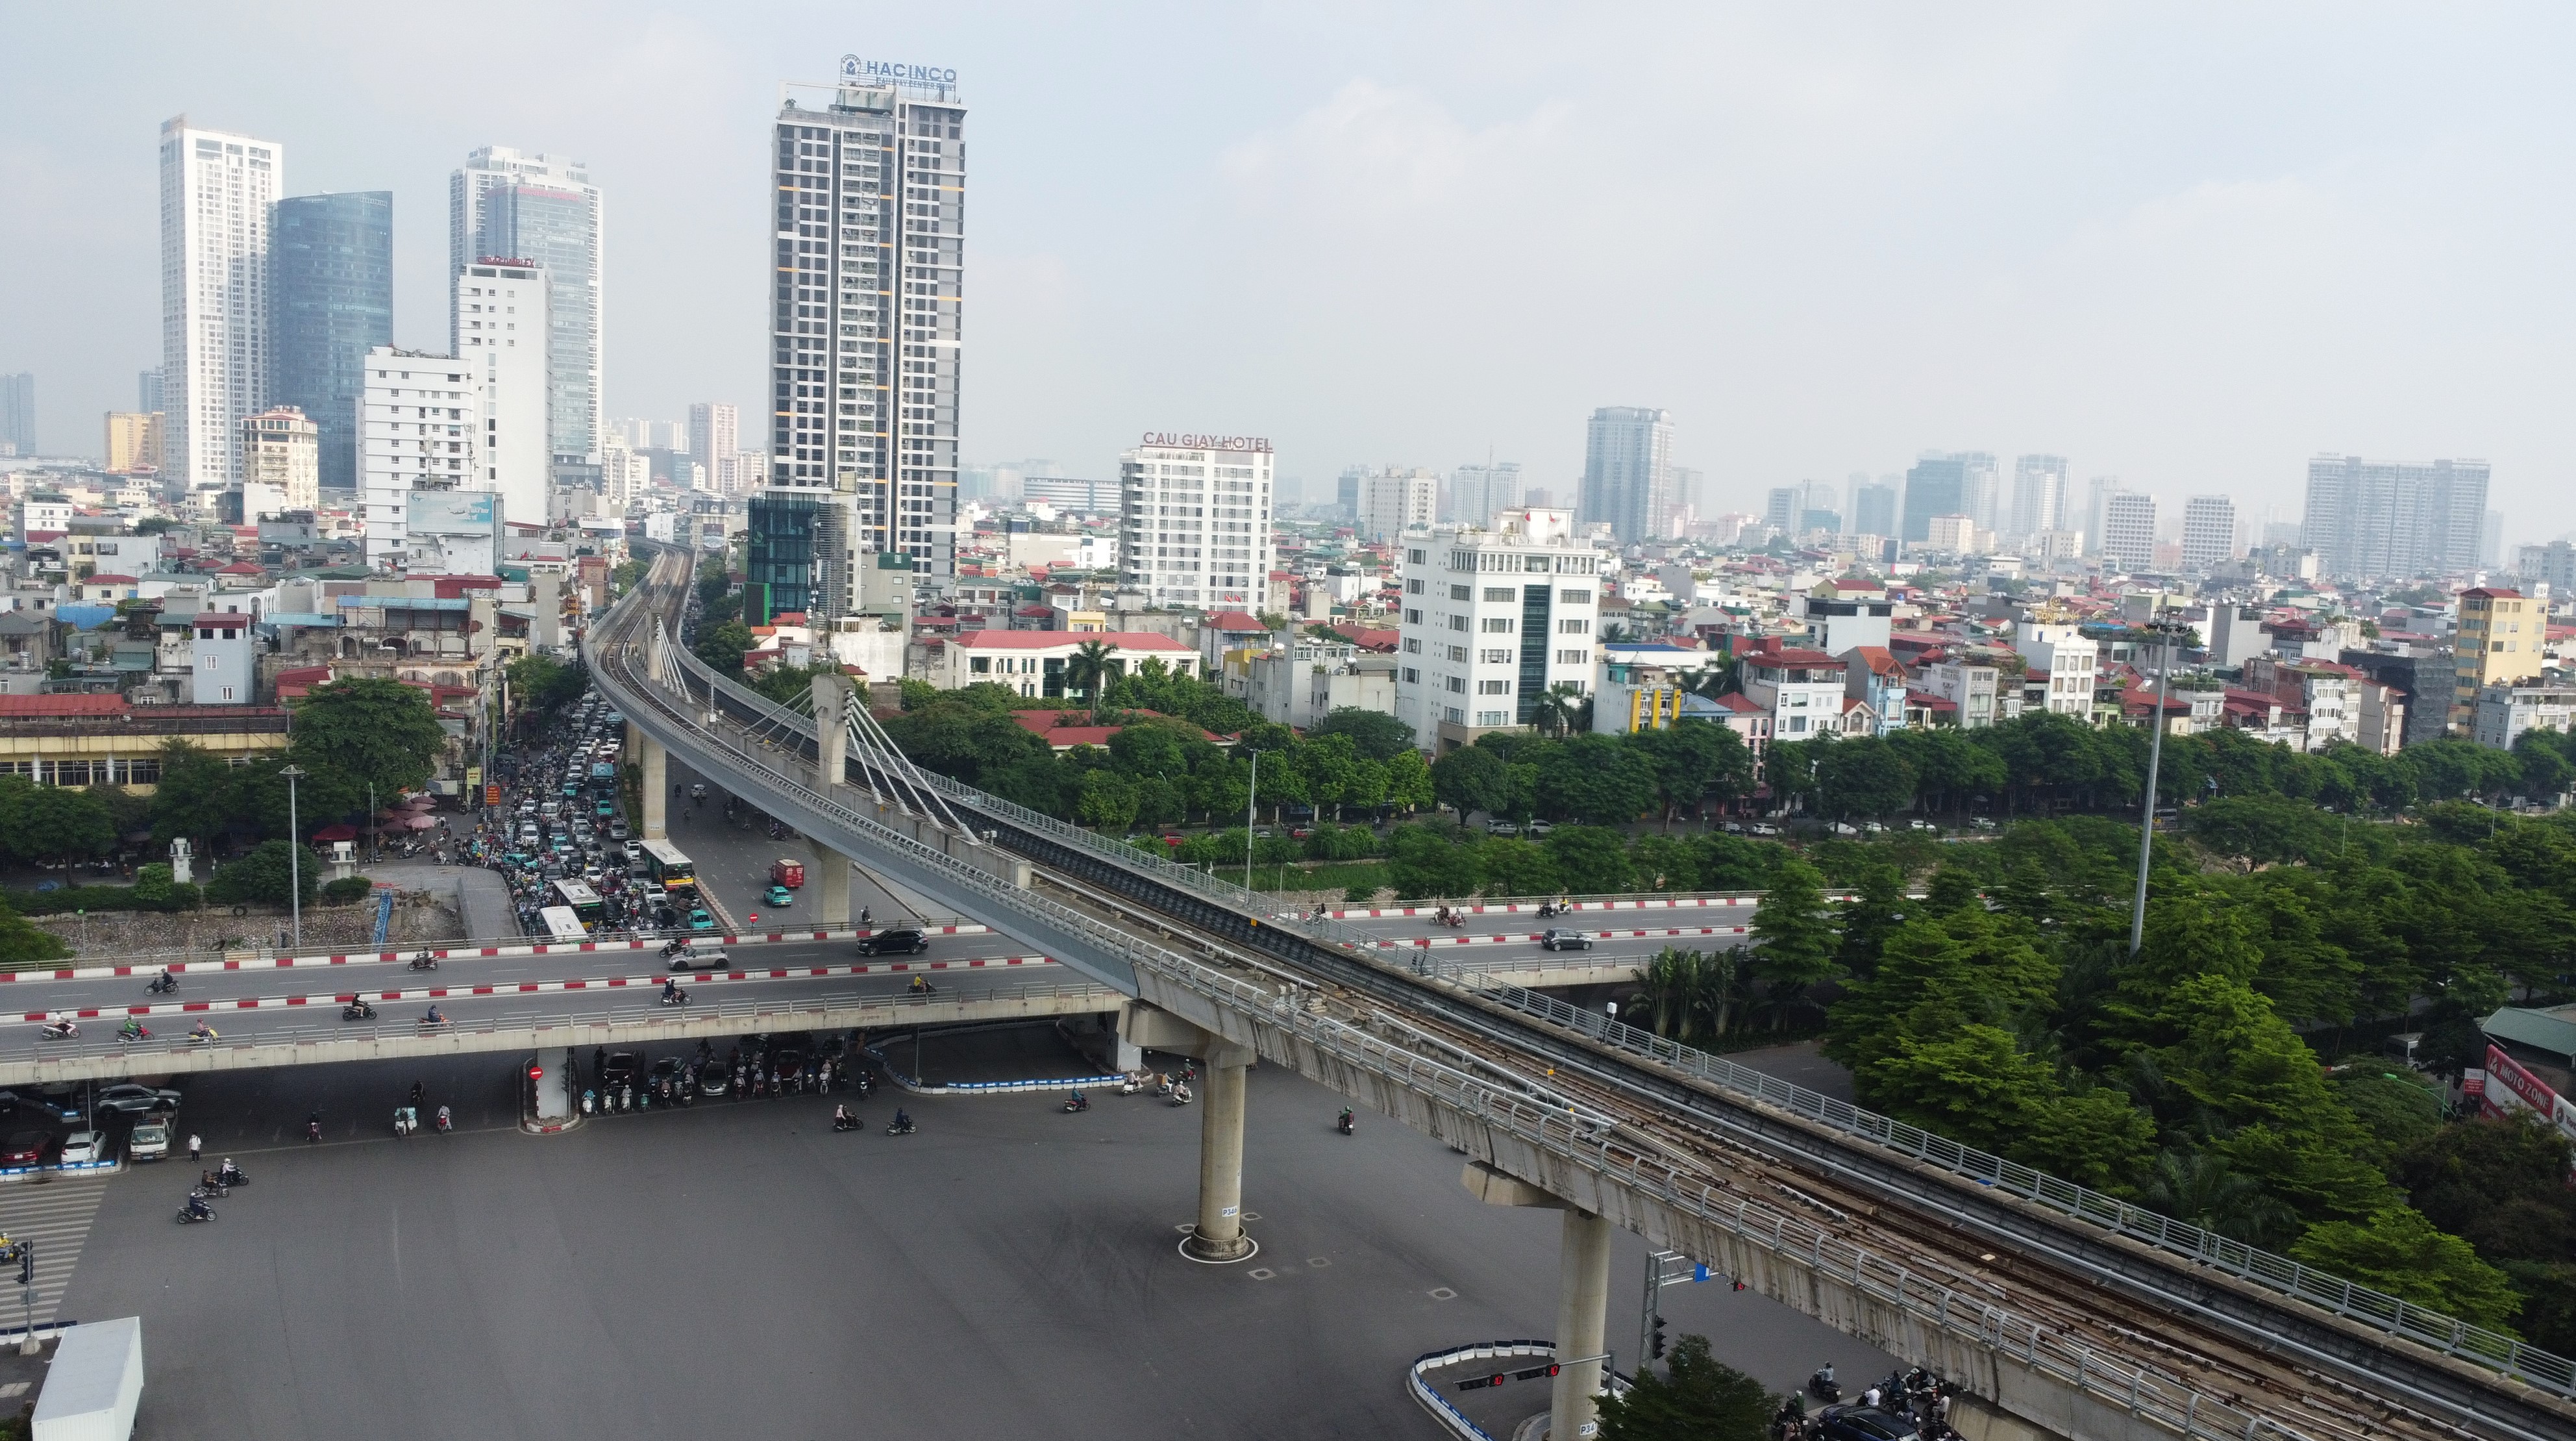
[228, 1173]
[670, 990]
[132, 1030]
[197, 1205]
[443, 1119]
[902, 1122]
[201, 1032]
[840, 1118]
[418, 1090]
[433, 1018]
[1345, 1121]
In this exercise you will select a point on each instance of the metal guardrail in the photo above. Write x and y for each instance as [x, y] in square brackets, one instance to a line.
[1585, 1139]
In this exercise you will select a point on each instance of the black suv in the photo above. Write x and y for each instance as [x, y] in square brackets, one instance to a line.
[898, 941]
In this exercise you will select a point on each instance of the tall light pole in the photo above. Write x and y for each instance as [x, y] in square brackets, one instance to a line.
[2169, 632]
[295, 852]
[1251, 810]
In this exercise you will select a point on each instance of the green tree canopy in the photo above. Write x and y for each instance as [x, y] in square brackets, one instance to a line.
[372, 731]
[1698, 1398]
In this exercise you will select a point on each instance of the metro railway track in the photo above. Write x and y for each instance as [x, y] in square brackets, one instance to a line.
[2203, 1332]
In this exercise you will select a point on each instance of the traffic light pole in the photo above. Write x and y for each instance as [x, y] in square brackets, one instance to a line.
[1663, 1268]
[27, 1297]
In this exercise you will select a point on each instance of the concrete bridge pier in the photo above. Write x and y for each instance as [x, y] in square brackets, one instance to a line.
[1218, 1237]
[831, 696]
[828, 885]
[657, 775]
[1582, 1298]
[554, 1087]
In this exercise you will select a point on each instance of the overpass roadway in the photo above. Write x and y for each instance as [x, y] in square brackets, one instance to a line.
[2071, 1311]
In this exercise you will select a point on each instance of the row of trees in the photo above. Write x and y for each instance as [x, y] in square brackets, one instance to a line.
[1990, 996]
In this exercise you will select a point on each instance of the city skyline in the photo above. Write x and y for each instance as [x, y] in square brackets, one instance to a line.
[2215, 289]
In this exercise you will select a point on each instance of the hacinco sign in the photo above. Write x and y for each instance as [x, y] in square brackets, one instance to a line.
[888, 72]
[1175, 440]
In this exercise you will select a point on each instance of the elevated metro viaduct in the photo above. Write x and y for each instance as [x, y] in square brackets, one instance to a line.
[2112, 1321]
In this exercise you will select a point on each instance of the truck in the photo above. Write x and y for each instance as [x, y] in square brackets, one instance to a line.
[787, 871]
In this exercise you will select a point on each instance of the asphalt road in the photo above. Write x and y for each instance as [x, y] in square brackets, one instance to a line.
[738, 1269]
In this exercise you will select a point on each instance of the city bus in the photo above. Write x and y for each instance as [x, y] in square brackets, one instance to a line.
[561, 924]
[670, 870]
[603, 779]
[578, 898]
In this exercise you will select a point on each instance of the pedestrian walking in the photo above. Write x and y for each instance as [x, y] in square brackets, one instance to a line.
[194, 1146]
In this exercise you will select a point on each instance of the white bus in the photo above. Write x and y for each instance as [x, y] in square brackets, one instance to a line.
[562, 924]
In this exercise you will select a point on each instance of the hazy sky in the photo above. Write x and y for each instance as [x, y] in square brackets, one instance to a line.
[2187, 246]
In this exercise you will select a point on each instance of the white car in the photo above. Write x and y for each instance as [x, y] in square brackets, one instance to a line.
[149, 1142]
[80, 1148]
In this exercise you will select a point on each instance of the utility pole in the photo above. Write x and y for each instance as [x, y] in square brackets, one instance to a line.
[2170, 632]
[295, 850]
[1251, 810]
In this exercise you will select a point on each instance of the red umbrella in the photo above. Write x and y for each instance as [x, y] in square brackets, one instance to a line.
[336, 833]
[421, 823]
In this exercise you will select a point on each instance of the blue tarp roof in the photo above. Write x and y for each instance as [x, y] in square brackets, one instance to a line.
[84, 617]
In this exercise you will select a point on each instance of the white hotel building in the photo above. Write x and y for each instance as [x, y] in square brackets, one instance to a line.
[217, 191]
[1194, 520]
[1493, 619]
[420, 425]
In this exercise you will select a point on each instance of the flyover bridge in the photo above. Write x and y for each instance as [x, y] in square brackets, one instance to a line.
[2067, 1311]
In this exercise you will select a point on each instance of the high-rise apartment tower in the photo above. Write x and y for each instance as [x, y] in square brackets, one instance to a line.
[867, 286]
[2373, 519]
[715, 442]
[331, 300]
[2039, 494]
[2208, 531]
[542, 210]
[1627, 471]
[18, 412]
[217, 191]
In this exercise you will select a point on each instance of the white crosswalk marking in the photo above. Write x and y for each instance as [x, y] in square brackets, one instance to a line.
[56, 1215]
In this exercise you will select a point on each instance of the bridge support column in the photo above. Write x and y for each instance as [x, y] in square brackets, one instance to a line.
[831, 738]
[656, 763]
[829, 879]
[1219, 1236]
[1582, 1297]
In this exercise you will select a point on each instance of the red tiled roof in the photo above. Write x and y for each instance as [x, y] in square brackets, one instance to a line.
[1878, 660]
[1929, 701]
[1235, 620]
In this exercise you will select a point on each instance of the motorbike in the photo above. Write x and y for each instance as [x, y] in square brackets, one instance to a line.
[675, 998]
[312, 1131]
[357, 1011]
[1077, 1102]
[675, 948]
[901, 1128]
[189, 1215]
[232, 1175]
[1345, 1124]
[424, 962]
[1454, 920]
[1180, 1095]
[134, 1033]
[847, 1123]
[163, 985]
[201, 1034]
[445, 1124]
[58, 1031]
[1130, 1085]
[203, 1191]
[406, 1120]
[1823, 1386]
[921, 987]
[589, 1102]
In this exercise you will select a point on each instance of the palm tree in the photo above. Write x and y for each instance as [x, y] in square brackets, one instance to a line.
[1615, 633]
[1555, 712]
[1721, 679]
[1087, 668]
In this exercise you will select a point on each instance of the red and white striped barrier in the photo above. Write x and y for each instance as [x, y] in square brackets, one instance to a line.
[1508, 938]
[524, 988]
[378, 958]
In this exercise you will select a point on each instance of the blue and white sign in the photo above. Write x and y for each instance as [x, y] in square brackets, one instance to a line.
[888, 72]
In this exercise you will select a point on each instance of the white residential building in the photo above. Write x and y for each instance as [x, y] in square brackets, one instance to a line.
[2505, 711]
[1972, 688]
[1194, 520]
[420, 427]
[624, 474]
[1802, 689]
[1394, 501]
[542, 211]
[2128, 531]
[281, 463]
[499, 317]
[715, 441]
[1492, 620]
[2061, 663]
[866, 279]
[217, 190]
[1032, 662]
[2208, 531]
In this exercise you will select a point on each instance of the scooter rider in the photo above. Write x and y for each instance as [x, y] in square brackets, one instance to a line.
[670, 990]
[902, 1122]
[433, 1018]
[201, 1032]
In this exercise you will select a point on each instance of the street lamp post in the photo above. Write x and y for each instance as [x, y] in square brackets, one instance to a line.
[295, 850]
[1251, 812]
[2169, 632]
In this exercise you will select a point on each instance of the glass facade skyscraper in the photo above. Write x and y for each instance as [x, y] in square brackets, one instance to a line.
[1627, 472]
[331, 294]
[543, 210]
